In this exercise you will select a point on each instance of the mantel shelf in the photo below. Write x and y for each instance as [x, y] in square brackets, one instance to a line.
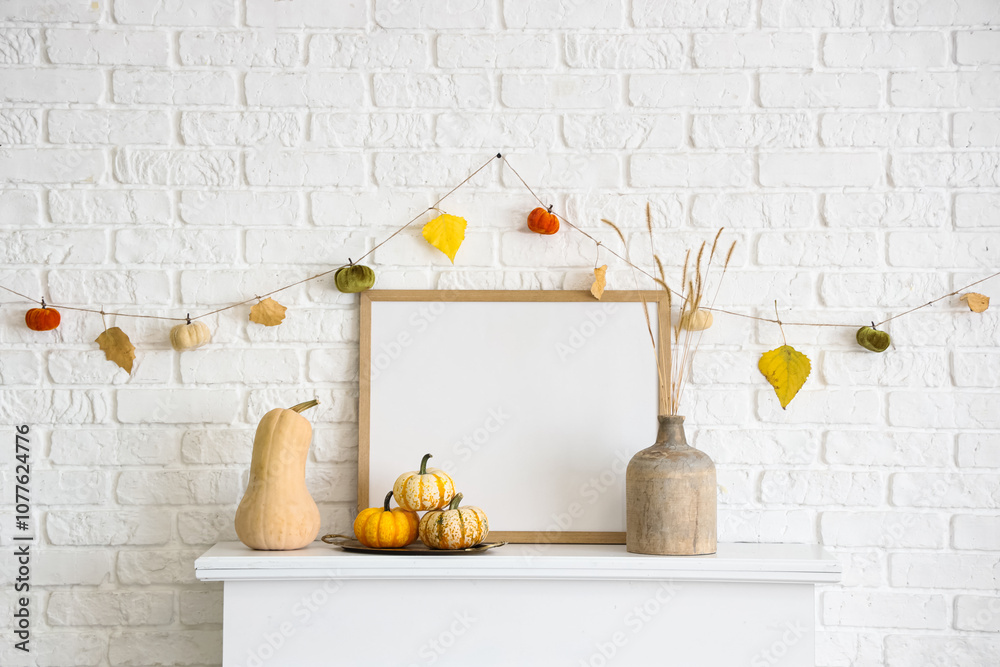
[737, 562]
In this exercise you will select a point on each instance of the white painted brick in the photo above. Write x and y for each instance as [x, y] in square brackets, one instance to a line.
[977, 532]
[170, 246]
[176, 647]
[808, 487]
[179, 487]
[334, 405]
[820, 89]
[957, 410]
[108, 206]
[178, 406]
[159, 87]
[976, 130]
[478, 249]
[322, 89]
[110, 608]
[844, 649]
[524, 248]
[754, 211]
[107, 527]
[977, 47]
[53, 85]
[72, 487]
[626, 52]
[335, 444]
[200, 607]
[884, 610]
[157, 166]
[795, 447]
[206, 527]
[156, 567]
[507, 51]
[298, 168]
[832, 406]
[407, 170]
[74, 567]
[883, 129]
[540, 91]
[766, 526]
[945, 490]
[683, 90]
[834, 249]
[18, 46]
[55, 406]
[785, 286]
[719, 367]
[736, 487]
[865, 568]
[333, 365]
[753, 130]
[303, 246]
[897, 50]
[111, 447]
[893, 448]
[890, 209]
[357, 130]
[107, 47]
[929, 328]
[820, 169]
[686, 170]
[977, 210]
[519, 14]
[52, 247]
[89, 367]
[240, 128]
[890, 530]
[109, 127]
[450, 91]
[945, 12]
[50, 10]
[824, 13]
[475, 130]
[378, 50]
[178, 12]
[977, 369]
[431, 14]
[19, 367]
[978, 450]
[19, 126]
[944, 570]
[756, 49]
[945, 89]
[61, 649]
[240, 366]
[53, 165]
[967, 169]
[953, 650]
[893, 290]
[309, 326]
[594, 170]
[978, 613]
[217, 445]
[693, 14]
[79, 286]
[239, 208]
[239, 48]
[628, 211]
[964, 250]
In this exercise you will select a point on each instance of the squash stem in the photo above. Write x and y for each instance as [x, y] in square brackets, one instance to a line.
[387, 497]
[453, 505]
[304, 406]
[423, 464]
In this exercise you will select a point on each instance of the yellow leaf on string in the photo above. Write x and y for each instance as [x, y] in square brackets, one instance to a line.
[786, 369]
[977, 302]
[600, 280]
[268, 312]
[117, 348]
[446, 233]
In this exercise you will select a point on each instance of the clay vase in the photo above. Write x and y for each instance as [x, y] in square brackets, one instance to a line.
[670, 496]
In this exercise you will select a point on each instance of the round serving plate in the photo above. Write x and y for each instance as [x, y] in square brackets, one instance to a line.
[415, 549]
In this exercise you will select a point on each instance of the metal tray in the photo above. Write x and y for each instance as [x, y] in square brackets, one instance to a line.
[414, 549]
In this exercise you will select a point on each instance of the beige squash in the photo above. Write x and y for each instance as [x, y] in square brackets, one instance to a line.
[277, 512]
[189, 336]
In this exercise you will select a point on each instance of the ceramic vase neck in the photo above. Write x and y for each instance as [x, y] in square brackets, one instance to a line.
[671, 431]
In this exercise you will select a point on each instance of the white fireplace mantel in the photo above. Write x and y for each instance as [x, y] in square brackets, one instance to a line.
[524, 604]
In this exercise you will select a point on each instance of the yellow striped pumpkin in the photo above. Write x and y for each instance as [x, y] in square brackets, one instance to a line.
[382, 528]
[455, 527]
[426, 489]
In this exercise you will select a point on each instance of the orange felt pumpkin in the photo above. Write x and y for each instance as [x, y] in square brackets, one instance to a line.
[541, 221]
[42, 319]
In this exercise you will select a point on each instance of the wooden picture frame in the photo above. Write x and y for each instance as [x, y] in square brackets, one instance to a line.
[404, 369]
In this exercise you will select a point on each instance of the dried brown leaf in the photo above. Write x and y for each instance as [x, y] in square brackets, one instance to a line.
[977, 302]
[117, 348]
[600, 280]
[268, 312]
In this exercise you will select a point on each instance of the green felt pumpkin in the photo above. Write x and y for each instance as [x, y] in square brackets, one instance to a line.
[872, 339]
[354, 278]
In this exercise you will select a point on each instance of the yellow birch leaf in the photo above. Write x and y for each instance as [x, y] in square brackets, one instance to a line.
[268, 312]
[786, 369]
[977, 302]
[117, 348]
[597, 289]
[446, 233]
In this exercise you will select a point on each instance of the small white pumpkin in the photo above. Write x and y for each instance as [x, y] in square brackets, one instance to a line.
[189, 336]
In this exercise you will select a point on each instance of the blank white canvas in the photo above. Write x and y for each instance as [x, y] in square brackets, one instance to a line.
[534, 408]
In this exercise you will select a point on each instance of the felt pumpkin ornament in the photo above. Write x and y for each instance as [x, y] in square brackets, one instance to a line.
[542, 221]
[699, 320]
[277, 512]
[42, 319]
[872, 339]
[189, 336]
[455, 527]
[382, 528]
[426, 489]
[354, 278]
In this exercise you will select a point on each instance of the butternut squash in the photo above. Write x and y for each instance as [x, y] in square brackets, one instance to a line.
[277, 512]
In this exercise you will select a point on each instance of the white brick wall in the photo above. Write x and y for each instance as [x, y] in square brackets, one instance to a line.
[186, 154]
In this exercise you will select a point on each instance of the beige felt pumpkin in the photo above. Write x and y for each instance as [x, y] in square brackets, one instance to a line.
[189, 336]
[698, 320]
[277, 512]
[455, 527]
[426, 489]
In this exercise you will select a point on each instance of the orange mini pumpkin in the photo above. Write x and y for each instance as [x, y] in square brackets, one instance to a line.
[382, 528]
[42, 319]
[543, 221]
